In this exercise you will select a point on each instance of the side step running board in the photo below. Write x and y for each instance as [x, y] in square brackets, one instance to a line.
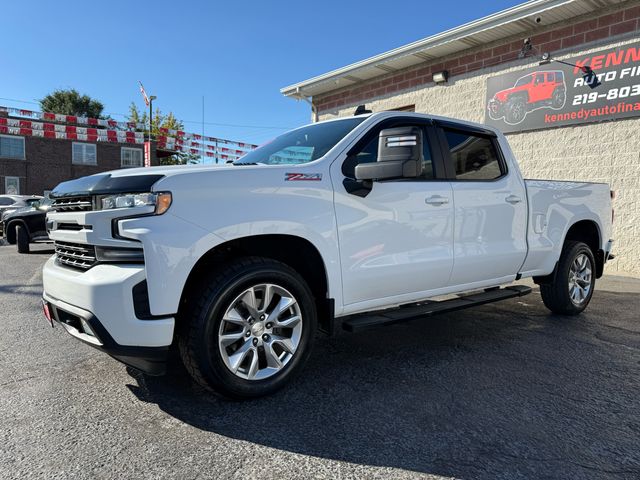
[365, 321]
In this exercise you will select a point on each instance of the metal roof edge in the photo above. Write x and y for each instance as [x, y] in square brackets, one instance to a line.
[494, 20]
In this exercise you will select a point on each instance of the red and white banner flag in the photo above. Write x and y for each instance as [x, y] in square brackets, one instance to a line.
[71, 127]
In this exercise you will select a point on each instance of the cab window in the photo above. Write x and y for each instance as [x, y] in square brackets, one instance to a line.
[369, 154]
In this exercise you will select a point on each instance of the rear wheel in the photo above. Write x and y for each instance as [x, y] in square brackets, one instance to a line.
[558, 98]
[249, 331]
[22, 239]
[574, 280]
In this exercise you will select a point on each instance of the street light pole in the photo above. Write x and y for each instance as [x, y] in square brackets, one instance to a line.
[151, 99]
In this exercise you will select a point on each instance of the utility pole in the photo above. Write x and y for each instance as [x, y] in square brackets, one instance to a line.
[204, 160]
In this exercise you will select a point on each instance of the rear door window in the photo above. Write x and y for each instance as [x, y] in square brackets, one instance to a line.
[474, 157]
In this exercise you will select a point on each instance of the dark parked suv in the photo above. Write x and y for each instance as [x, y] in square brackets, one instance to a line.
[10, 203]
[26, 225]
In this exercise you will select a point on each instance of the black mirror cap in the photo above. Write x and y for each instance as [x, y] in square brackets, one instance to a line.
[400, 155]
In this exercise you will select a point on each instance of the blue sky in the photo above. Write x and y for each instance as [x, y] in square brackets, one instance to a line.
[237, 54]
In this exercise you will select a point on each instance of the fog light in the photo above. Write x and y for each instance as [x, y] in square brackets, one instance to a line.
[115, 254]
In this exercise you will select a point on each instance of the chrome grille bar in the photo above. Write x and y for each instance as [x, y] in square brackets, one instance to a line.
[74, 204]
[75, 255]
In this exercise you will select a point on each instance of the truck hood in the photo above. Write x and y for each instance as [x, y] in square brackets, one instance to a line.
[134, 180]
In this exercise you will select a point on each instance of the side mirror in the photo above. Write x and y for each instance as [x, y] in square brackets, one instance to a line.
[399, 155]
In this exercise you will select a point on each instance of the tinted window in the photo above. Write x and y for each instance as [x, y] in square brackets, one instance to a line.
[6, 201]
[369, 154]
[558, 76]
[474, 157]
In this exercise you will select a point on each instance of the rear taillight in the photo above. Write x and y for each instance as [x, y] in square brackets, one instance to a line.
[612, 193]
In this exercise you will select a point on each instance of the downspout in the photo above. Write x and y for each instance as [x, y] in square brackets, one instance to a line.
[314, 109]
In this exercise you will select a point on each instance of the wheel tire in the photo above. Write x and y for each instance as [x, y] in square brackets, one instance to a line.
[557, 294]
[22, 239]
[558, 98]
[200, 328]
[515, 110]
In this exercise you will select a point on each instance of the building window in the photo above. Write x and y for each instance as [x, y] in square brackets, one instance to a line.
[12, 185]
[11, 147]
[131, 157]
[84, 154]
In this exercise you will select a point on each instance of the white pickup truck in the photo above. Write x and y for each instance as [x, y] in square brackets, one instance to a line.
[355, 222]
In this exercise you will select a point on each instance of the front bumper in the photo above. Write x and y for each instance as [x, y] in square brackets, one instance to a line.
[103, 297]
[496, 108]
[86, 327]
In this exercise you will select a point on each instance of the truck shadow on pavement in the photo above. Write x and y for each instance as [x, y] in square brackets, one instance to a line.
[501, 391]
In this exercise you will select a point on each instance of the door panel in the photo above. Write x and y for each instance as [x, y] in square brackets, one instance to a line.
[395, 241]
[490, 232]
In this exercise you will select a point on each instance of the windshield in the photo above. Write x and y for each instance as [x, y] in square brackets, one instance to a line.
[302, 145]
[524, 80]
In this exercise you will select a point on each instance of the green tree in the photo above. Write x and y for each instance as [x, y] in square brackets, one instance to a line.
[161, 121]
[70, 102]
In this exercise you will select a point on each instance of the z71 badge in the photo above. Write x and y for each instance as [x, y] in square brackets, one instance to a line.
[302, 177]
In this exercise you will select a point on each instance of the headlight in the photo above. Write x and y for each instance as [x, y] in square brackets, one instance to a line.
[161, 201]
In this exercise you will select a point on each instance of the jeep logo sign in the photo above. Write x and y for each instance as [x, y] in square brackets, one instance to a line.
[555, 95]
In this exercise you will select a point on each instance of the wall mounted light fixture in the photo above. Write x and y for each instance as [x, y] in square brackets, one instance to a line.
[441, 77]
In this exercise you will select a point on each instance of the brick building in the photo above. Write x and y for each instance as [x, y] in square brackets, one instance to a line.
[591, 132]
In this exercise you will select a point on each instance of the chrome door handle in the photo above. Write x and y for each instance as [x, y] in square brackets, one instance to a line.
[436, 200]
[513, 199]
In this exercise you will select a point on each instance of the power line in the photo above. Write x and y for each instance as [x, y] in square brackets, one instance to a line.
[19, 101]
[238, 126]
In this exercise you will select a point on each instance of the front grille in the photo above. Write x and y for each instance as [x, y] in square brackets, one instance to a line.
[73, 204]
[76, 255]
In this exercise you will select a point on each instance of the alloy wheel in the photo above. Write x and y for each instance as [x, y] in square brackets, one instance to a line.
[260, 331]
[580, 279]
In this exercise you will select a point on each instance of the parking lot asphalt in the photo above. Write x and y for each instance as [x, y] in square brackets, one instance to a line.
[501, 391]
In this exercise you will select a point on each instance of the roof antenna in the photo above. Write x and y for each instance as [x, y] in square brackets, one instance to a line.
[361, 110]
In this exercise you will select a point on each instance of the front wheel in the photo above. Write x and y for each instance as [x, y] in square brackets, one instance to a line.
[249, 330]
[515, 110]
[574, 280]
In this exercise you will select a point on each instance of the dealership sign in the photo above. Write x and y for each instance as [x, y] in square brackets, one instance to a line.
[554, 94]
